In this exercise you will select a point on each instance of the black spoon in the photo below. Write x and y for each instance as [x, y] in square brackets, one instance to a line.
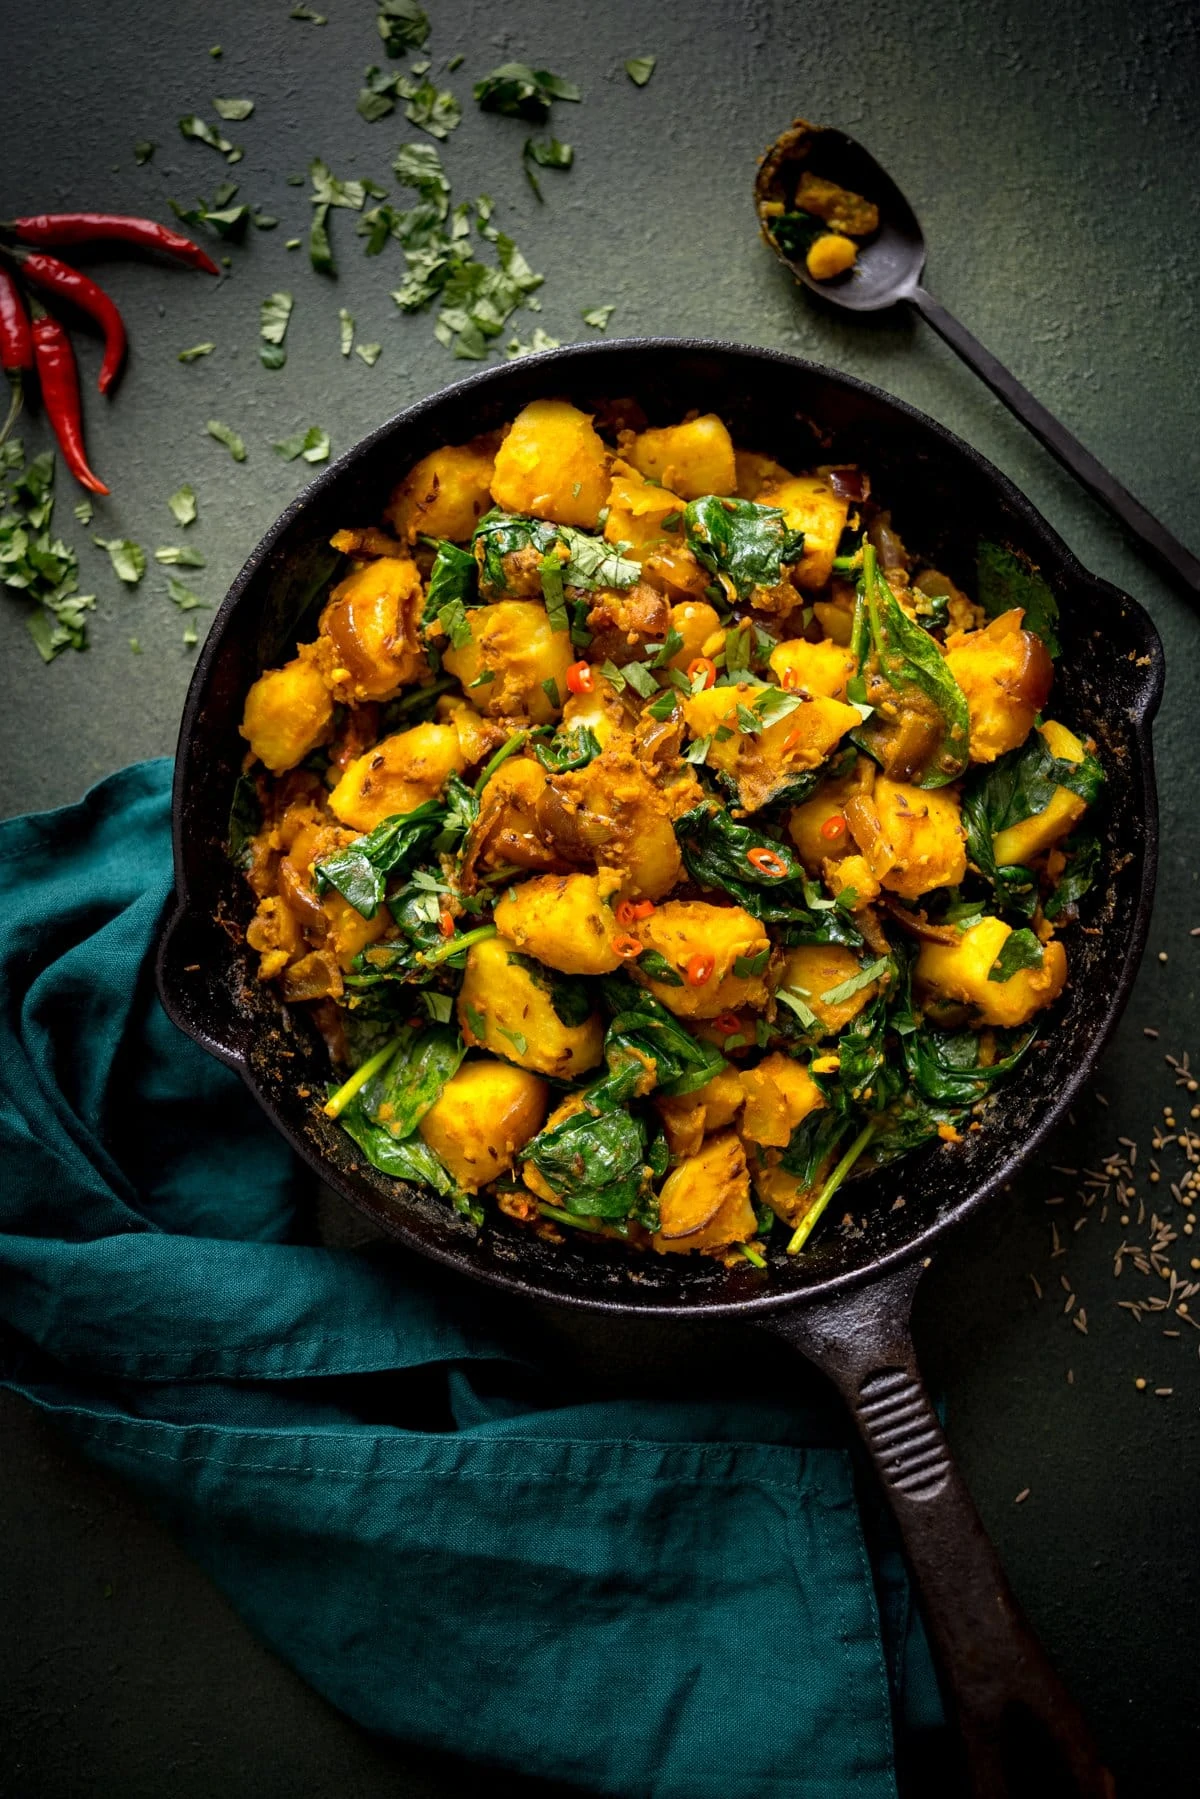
[888, 270]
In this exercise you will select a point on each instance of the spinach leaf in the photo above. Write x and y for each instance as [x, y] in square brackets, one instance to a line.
[1083, 865]
[944, 1066]
[245, 821]
[500, 534]
[596, 563]
[1018, 786]
[595, 1160]
[546, 154]
[716, 854]
[643, 1027]
[520, 92]
[814, 1143]
[453, 577]
[655, 967]
[403, 26]
[399, 1096]
[412, 1160]
[746, 543]
[1004, 581]
[903, 670]
[861, 1053]
[847, 989]
[1020, 949]
[572, 746]
[359, 872]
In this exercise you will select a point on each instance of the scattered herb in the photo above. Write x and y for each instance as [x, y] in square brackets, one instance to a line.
[195, 127]
[182, 596]
[230, 439]
[83, 510]
[234, 110]
[171, 556]
[370, 353]
[520, 92]
[274, 314]
[403, 26]
[598, 316]
[545, 153]
[640, 68]
[143, 150]
[128, 558]
[183, 505]
[42, 569]
[346, 323]
[196, 352]
[308, 15]
[313, 445]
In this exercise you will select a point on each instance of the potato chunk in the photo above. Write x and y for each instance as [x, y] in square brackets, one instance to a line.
[649, 519]
[561, 920]
[552, 464]
[288, 712]
[754, 472]
[809, 504]
[349, 931]
[399, 774]
[1006, 675]
[682, 930]
[779, 1093]
[690, 1117]
[817, 840]
[483, 1119]
[691, 459]
[841, 208]
[513, 642]
[705, 1202]
[275, 933]
[911, 838]
[515, 1009]
[764, 762]
[611, 813]
[696, 621]
[959, 973]
[602, 711]
[814, 969]
[446, 493]
[803, 667]
[1022, 841]
[369, 645]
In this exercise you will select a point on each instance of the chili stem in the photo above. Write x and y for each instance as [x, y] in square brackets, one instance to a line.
[431, 958]
[805, 1227]
[337, 1102]
[516, 741]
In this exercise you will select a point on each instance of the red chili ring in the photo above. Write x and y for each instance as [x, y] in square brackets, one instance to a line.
[767, 862]
[580, 678]
[708, 666]
[727, 1023]
[626, 947]
[834, 826]
[700, 968]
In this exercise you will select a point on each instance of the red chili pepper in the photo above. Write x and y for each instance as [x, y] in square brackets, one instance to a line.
[59, 377]
[59, 278]
[446, 924]
[699, 969]
[767, 862]
[703, 665]
[626, 947]
[56, 228]
[727, 1023]
[633, 911]
[793, 740]
[580, 678]
[16, 346]
[833, 826]
[643, 909]
[16, 343]
[791, 679]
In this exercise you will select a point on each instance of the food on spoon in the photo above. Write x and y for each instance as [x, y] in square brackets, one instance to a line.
[650, 768]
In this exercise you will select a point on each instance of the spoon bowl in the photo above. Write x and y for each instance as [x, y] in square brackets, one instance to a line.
[890, 262]
[888, 271]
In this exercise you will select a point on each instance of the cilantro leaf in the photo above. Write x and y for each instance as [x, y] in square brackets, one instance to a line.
[195, 127]
[403, 26]
[312, 444]
[183, 505]
[230, 439]
[143, 150]
[128, 558]
[234, 110]
[182, 596]
[346, 322]
[42, 569]
[172, 556]
[547, 153]
[520, 92]
[640, 68]
[196, 351]
[370, 353]
[274, 313]
[598, 316]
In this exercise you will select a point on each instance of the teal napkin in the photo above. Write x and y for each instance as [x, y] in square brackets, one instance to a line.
[382, 1466]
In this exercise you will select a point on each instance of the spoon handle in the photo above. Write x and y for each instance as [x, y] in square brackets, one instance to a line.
[1060, 442]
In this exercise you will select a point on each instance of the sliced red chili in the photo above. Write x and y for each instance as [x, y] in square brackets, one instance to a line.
[834, 826]
[446, 924]
[702, 665]
[580, 678]
[767, 862]
[624, 912]
[793, 740]
[642, 909]
[727, 1023]
[626, 947]
[791, 679]
[699, 969]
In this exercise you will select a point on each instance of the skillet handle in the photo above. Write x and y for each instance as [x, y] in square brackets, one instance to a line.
[1023, 1735]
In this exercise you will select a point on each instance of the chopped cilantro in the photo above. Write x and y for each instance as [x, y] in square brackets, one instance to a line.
[42, 569]
[224, 219]
[274, 312]
[520, 92]
[172, 556]
[370, 353]
[193, 126]
[641, 680]
[346, 321]
[403, 26]
[598, 316]
[312, 444]
[83, 510]
[143, 150]
[191, 637]
[640, 68]
[135, 646]
[308, 15]
[540, 340]
[547, 153]
[230, 439]
[128, 558]
[182, 596]
[234, 110]
[196, 352]
[183, 505]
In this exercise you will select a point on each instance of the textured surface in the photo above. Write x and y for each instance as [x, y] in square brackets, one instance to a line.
[1051, 154]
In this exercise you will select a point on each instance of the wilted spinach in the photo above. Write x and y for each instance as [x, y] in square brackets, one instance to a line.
[1002, 581]
[574, 746]
[359, 872]
[569, 995]
[1083, 865]
[902, 666]
[746, 543]
[643, 1027]
[716, 852]
[1015, 787]
[1020, 950]
[595, 1160]
[454, 578]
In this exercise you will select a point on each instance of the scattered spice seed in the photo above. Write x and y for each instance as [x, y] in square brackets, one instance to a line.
[1022, 1496]
[1140, 1384]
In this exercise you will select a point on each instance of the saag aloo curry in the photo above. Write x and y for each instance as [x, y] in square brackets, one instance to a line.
[656, 838]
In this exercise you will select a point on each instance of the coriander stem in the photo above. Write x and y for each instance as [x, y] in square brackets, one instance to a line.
[516, 741]
[577, 1221]
[431, 958]
[338, 1101]
[753, 1254]
[805, 1227]
[420, 694]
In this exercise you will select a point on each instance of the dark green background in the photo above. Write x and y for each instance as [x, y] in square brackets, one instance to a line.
[1051, 153]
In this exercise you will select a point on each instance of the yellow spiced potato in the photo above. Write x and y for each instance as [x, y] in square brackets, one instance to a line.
[506, 1006]
[564, 921]
[446, 494]
[961, 974]
[625, 926]
[370, 643]
[397, 775]
[288, 713]
[513, 658]
[482, 1120]
[552, 465]
[691, 459]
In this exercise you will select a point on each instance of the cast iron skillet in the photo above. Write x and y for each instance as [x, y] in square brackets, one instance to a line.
[845, 1302]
